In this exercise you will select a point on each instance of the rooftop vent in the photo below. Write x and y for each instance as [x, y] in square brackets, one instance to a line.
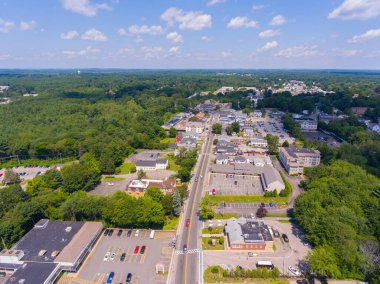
[55, 253]
[42, 252]
[68, 229]
[21, 281]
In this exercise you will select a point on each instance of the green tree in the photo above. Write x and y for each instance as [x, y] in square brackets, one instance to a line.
[272, 143]
[52, 179]
[323, 261]
[177, 203]
[155, 193]
[235, 127]
[82, 207]
[173, 132]
[36, 185]
[285, 144]
[217, 128]
[11, 177]
[10, 196]
[140, 174]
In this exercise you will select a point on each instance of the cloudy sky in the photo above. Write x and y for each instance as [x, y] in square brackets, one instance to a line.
[190, 34]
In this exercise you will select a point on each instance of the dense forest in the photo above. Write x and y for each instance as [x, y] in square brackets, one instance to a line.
[339, 212]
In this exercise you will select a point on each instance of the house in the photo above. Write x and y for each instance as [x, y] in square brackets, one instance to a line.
[137, 188]
[248, 131]
[224, 90]
[258, 142]
[376, 128]
[221, 159]
[188, 143]
[227, 150]
[247, 234]
[50, 248]
[294, 160]
[152, 165]
[240, 160]
[307, 124]
[195, 127]
[257, 113]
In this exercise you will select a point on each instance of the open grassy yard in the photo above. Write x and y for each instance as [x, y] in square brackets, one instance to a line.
[207, 246]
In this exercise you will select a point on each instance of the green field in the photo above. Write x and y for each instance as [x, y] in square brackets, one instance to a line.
[171, 224]
[172, 165]
[112, 178]
[214, 230]
[126, 168]
[168, 140]
[207, 246]
[225, 216]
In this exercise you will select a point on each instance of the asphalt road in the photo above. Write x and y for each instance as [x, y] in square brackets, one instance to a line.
[187, 265]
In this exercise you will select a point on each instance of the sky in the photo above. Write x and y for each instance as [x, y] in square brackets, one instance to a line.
[165, 34]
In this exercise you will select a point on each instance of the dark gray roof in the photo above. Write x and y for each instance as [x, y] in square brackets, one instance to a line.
[240, 159]
[161, 161]
[47, 235]
[220, 157]
[32, 273]
[146, 163]
[294, 151]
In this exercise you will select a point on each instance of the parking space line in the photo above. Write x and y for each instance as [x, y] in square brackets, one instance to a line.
[143, 256]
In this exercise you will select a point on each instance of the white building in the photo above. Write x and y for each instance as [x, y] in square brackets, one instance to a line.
[258, 142]
[195, 127]
[307, 124]
[221, 159]
[151, 165]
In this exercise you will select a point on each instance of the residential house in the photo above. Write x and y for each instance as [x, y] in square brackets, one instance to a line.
[152, 165]
[221, 159]
[258, 142]
[137, 188]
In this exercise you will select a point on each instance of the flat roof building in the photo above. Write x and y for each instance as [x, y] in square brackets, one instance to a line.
[294, 160]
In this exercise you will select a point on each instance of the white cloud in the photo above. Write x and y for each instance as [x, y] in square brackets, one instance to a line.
[346, 52]
[174, 37]
[69, 35]
[139, 39]
[269, 33]
[257, 7]
[187, 20]
[152, 52]
[356, 9]
[298, 51]
[84, 7]
[4, 56]
[94, 35]
[242, 22]
[277, 20]
[27, 26]
[144, 29]
[83, 52]
[122, 32]
[6, 26]
[226, 54]
[174, 50]
[371, 34]
[206, 38]
[269, 45]
[215, 2]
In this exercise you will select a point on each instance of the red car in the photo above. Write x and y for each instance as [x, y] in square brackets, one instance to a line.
[187, 222]
[137, 248]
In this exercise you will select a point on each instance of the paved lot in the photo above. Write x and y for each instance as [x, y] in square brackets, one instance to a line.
[321, 137]
[235, 184]
[26, 173]
[142, 266]
[267, 125]
[286, 254]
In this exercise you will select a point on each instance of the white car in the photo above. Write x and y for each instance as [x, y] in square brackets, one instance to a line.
[112, 257]
[137, 233]
[106, 256]
[294, 271]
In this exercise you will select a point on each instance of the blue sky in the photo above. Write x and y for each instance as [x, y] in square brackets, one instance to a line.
[190, 34]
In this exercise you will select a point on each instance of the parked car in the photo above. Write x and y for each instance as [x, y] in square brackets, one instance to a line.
[110, 232]
[142, 250]
[122, 257]
[285, 238]
[112, 258]
[129, 278]
[110, 277]
[107, 255]
[119, 233]
[294, 271]
[137, 248]
[137, 233]
[129, 233]
[276, 234]
[106, 232]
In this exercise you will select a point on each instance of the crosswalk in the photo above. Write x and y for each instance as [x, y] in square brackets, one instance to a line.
[186, 252]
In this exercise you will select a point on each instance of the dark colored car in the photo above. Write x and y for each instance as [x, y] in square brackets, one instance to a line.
[137, 248]
[129, 278]
[110, 277]
[129, 233]
[142, 250]
[122, 257]
[110, 232]
[285, 237]
[119, 233]
[185, 248]
[106, 232]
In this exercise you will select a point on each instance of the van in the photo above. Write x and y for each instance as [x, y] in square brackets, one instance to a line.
[137, 233]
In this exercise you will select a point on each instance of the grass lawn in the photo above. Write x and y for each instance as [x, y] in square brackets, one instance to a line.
[168, 140]
[277, 215]
[214, 230]
[245, 198]
[172, 165]
[171, 224]
[126, 168]
[284, 221]
[225, 216]
[207, 246]
[111, 178]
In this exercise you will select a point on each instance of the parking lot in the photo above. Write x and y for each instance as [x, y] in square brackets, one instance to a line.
[322, 137]
[144, 155]
[235, 184]
[122, 254]
[26, 173]
[267, 125]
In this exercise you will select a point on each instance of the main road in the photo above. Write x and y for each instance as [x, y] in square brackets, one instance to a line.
[186, 266]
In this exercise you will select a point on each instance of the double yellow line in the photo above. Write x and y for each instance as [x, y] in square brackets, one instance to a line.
[193, 205]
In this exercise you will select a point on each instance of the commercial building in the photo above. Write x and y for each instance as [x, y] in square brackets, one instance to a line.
[258, 142]
[195, 127]
[221, 159]
[294, 160]
[49, 248]
[137, 188]
[247, 234]
[307, 124]
[269, 177]
[152, 165]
